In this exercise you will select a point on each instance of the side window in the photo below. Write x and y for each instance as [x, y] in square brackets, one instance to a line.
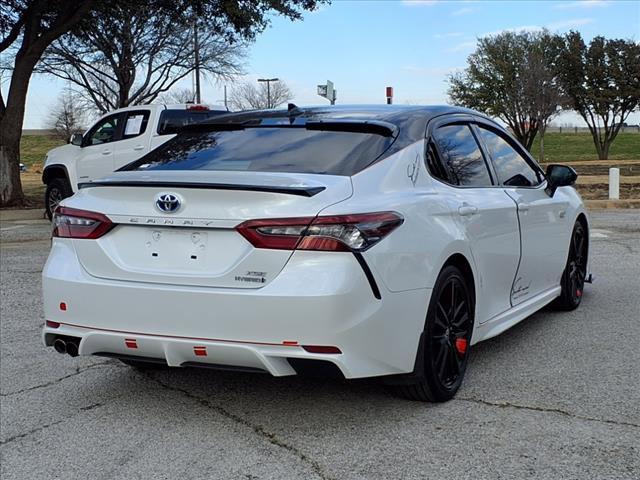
[461, 156]
[136, 123]
[512, 169]
[105, 131]
[435, 167]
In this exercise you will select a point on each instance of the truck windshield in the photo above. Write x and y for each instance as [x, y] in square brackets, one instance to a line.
[172, 120]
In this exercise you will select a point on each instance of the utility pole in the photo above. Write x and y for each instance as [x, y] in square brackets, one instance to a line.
[196, 49]
[268, 81]
[225, 98]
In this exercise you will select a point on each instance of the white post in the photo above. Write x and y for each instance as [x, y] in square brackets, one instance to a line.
[614, 184]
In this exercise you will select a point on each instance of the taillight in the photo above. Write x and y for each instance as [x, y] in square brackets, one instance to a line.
[74, 223]
[340, 233]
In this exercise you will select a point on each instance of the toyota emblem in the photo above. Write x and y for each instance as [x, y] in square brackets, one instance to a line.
[168, 202]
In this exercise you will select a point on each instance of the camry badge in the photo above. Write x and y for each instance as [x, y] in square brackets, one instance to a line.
[168, 202]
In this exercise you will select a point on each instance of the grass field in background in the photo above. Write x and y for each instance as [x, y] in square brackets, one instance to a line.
[568, 147]
[33, 148]
[559, 147]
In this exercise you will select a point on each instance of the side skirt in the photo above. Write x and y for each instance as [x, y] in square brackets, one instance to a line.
[508, 319]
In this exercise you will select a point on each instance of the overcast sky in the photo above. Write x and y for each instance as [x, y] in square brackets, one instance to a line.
[364, 46]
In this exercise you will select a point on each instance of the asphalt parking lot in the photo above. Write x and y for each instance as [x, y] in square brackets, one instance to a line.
[557, 396]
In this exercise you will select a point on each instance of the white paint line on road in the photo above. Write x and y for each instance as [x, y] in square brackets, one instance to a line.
[11, 228]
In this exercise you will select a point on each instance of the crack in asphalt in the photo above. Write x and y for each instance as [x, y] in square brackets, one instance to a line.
[49, 425]
[78, 371]
[271, 437]
[504, 404]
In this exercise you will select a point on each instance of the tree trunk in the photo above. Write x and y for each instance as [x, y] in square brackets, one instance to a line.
[11, 122]
[10, 186]
[542, 144]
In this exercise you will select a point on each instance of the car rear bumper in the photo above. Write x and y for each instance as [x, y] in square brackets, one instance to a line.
[319, 299]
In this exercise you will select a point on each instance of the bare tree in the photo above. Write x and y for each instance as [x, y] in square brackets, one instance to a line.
[249, 96]
[135, 54]
[181, 95]
[67, 116]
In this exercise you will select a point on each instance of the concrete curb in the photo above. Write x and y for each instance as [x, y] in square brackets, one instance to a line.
[609, 204]
[22, 214]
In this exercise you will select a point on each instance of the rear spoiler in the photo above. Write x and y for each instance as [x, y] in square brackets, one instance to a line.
[375, 127]
[300, 191]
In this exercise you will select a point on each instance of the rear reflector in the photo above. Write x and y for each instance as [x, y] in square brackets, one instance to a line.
[131, 342]
[74, 223]
[51, 324]
[339, 233]
[200, 351]
[321, 349]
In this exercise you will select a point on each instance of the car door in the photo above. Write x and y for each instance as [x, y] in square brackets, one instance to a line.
[542, 218]
[484, 212]
[96, 155]
[135, 138]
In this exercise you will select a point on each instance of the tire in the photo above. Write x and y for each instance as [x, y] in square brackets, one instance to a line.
[575, 271]
[444, 352]
[57, 190]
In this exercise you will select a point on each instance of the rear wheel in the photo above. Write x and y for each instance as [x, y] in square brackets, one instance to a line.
[446, 340]
[57, 190]
[575, 271]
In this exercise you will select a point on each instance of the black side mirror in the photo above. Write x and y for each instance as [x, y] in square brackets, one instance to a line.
[76, 139]
[559, 176]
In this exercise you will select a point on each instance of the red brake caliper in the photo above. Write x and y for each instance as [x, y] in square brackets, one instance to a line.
[461, 345]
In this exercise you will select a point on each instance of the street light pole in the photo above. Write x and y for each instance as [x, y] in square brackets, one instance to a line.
[196, 48]
[268, 81]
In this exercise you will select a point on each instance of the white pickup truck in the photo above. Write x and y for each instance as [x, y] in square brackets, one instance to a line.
[115, 140]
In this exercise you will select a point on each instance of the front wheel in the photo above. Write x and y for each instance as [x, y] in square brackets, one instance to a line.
[575, 271]
[446, 338]
[57, 190]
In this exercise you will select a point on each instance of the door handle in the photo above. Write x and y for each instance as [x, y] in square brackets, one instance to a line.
[106, 152]
[138, 147]
[465, 210]
[523, 207]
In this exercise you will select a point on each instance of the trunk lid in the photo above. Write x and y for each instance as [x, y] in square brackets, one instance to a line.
[197, 245]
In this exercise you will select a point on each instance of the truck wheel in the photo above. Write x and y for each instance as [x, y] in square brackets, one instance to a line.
[57, 190]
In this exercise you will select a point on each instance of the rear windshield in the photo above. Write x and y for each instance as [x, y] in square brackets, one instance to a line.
[278, 149]
[172, 120]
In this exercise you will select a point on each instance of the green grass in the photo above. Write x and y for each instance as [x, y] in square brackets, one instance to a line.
[33, 148]
[567, 147]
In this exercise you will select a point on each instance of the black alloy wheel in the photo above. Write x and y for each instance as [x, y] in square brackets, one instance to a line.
[446, 338]
[450, 333]
[575, 272]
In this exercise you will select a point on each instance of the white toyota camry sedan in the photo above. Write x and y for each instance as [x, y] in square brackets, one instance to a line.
[365, 241]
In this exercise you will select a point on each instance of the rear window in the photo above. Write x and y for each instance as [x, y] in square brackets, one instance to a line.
[172, 120]
[278, 149]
